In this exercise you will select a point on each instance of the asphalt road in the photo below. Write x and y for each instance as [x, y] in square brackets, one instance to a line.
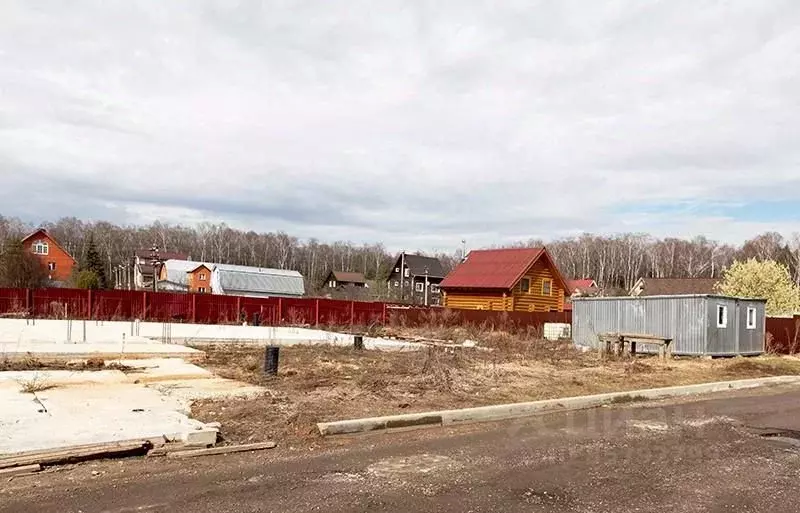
[709, 456]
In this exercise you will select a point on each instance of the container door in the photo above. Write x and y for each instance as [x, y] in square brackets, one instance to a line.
[721, 325]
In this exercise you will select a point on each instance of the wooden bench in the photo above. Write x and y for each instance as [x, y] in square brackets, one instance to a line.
[616, 343]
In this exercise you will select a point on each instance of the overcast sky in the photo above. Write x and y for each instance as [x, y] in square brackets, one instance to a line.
[415, 123]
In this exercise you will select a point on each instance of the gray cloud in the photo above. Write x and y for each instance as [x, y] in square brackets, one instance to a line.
[416, 123]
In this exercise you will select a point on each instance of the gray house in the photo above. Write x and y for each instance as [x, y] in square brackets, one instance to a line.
[416, 279]
[698, 324]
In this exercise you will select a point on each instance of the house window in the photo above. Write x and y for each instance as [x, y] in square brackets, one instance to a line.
[434, 288]
[751, 318]
[397, 269]
[547, 287]
[332, 284]
[420, 287]
[525, 285]
[722, 316]
[40, 247]
[202, 290]
[408, 272]
[396, 283]
[202, 276]
[51, 266]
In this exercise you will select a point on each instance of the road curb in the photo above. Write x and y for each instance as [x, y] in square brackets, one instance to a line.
[517, 410]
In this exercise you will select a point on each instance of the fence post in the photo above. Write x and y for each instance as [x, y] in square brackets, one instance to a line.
[383, 315]
[29, 301]
[89, 304]
[280, 312]
[144, 305]
[238, 315]
[352, 313]
[316, 313]
[194, 308]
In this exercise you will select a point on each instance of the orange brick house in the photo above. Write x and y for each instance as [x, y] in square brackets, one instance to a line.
[54, 258]
[199, 280]
[512, 280]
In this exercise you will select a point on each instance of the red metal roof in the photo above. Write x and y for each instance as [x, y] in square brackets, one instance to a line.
[583, 284]
[492, 268]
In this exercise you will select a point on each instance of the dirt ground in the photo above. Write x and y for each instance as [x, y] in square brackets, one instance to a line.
[324, 383]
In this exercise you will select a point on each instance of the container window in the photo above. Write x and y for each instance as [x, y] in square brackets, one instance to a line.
[751, 318]
[722, 316]
[525, 285]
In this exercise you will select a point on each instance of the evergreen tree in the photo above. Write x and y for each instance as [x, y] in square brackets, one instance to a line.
[94, 263]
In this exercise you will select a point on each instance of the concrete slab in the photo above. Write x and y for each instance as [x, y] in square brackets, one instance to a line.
[53, 351]
[85, 407]
[67, 333]
[89, 414]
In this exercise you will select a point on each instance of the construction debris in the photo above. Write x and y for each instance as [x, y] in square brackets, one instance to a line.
[222, 450]
[75, 454]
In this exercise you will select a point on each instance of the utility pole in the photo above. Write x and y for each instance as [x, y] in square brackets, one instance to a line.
[426, 286]
[402, 274]
[156, 266]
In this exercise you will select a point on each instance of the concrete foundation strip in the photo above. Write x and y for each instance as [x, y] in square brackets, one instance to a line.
[517, 410]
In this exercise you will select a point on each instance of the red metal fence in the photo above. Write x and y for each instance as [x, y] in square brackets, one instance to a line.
[218, 309]
[783, 334]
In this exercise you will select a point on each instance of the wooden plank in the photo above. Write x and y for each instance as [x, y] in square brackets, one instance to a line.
[223, 450]
[642, 336]
[62, 455]
[15, 471]
[163, 450]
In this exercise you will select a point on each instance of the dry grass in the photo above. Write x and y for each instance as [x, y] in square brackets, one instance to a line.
[35, 384]
[323, 383]
[31, 363]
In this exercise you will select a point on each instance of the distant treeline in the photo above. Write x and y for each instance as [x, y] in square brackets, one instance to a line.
[615, 261]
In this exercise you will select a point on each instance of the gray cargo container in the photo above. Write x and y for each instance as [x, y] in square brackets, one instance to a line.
[698, 324]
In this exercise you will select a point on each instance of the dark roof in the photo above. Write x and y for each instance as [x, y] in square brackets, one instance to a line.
[417, 264]
[145, 268]
[492, 268]
[348, 277]
[677, 286]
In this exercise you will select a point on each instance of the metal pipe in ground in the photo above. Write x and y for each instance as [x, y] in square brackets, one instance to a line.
[358, 342]
[271, 356]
